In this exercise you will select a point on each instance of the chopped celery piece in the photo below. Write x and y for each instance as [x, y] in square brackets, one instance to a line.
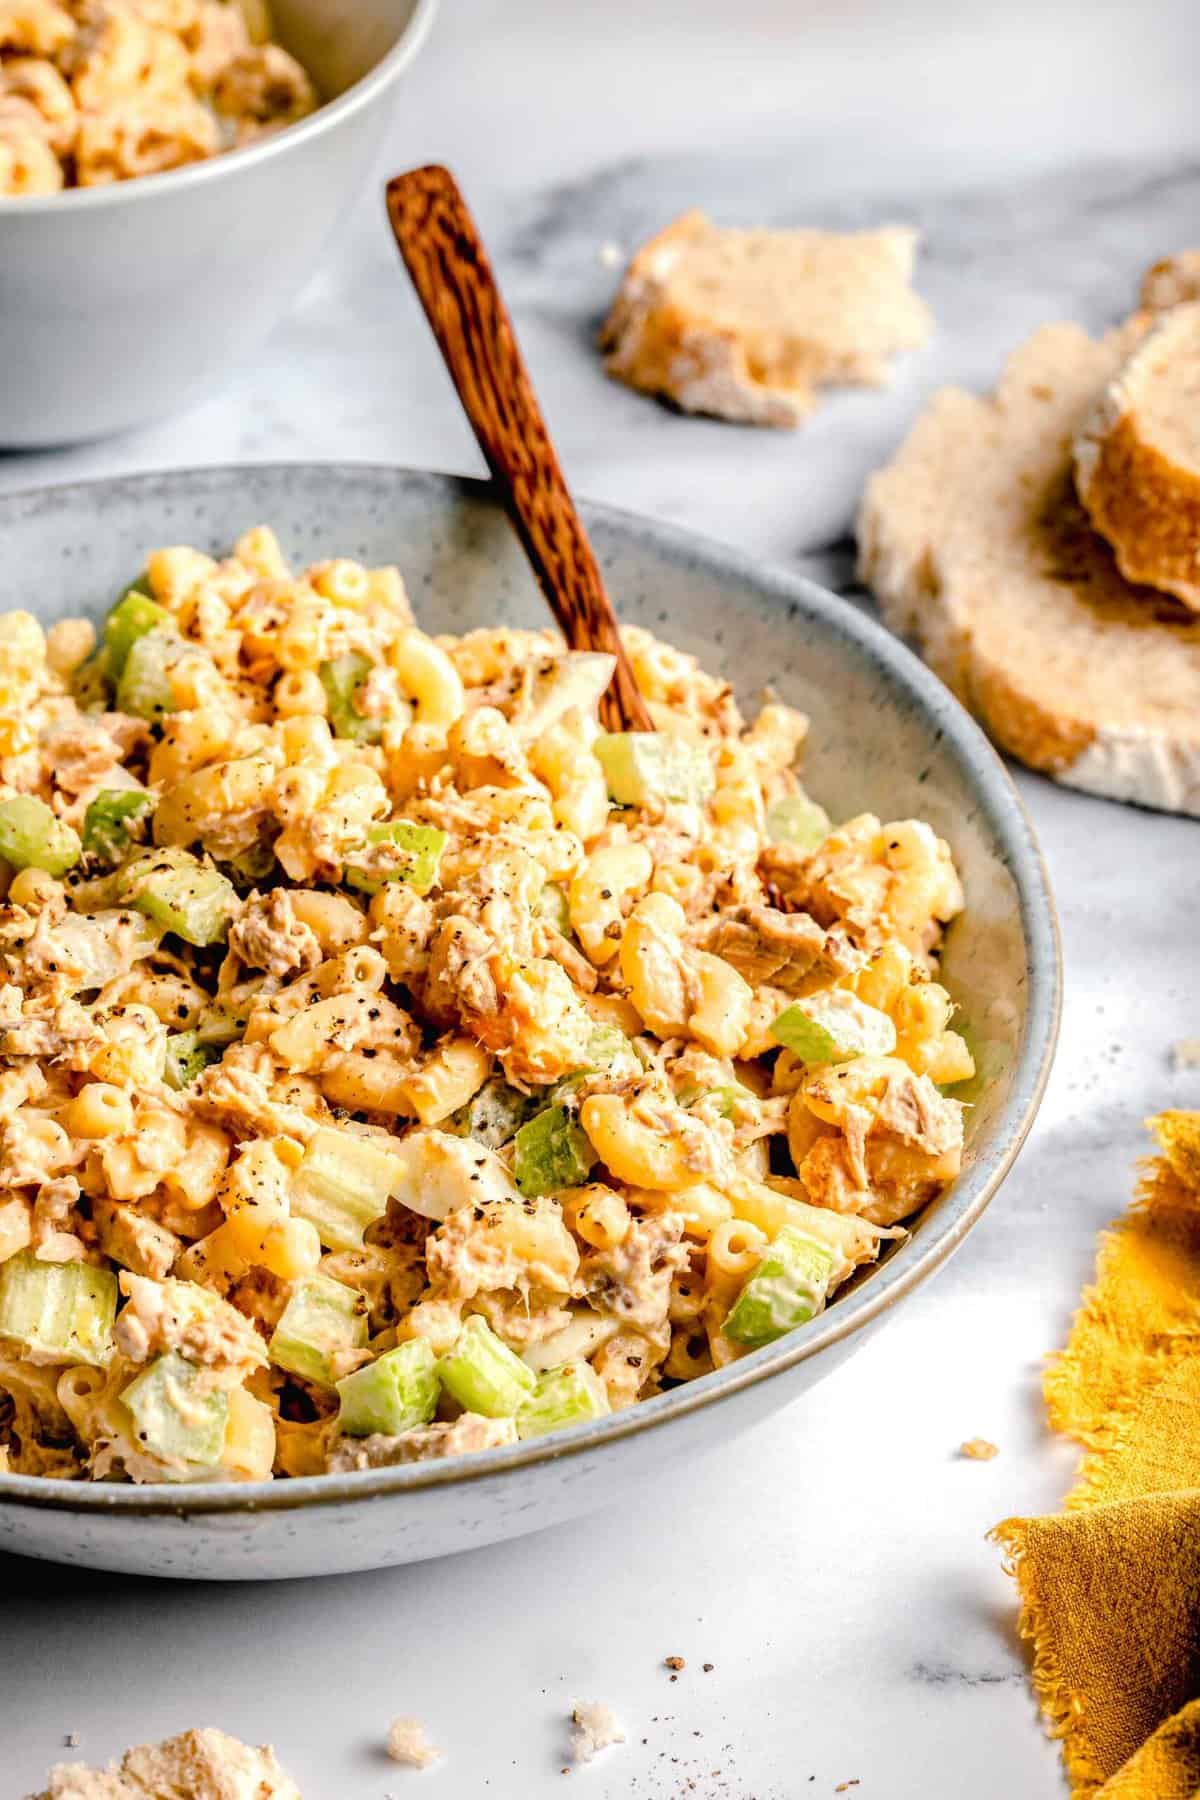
[180, 893]
[551, 1152]
[651, 765]
[111, 820]
[253, 865]
[402, 852]
[787, 1289]
[321, 1318]
[144, 688]
[395, 1393]
[795, 819]
[552, 906]
[483, 1374]
[833, 1027]
[33, 837]
[177, 1413]
[186, 1057]
[130, 619]
[59, 1312]
[609, 1048]
[343, 1185]
[562, 1397]
[341, 680]
[727, 1099]
[493, 1115]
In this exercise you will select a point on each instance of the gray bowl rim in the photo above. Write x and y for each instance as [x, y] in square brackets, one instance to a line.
[229, 162]
[910, 1263]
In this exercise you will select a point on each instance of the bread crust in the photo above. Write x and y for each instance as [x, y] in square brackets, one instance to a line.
[976, 546]
[747, 325]
[1136, 475]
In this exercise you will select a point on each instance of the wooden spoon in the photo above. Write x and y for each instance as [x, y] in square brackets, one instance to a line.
[444, 254]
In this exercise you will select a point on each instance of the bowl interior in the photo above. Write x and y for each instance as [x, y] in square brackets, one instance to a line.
[886, 737]
[339, 44]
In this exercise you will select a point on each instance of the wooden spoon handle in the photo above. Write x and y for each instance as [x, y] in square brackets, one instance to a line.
[444, 254]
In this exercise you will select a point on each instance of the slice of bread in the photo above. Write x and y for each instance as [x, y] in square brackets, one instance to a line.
[747, 325]
[977, 547]
[1137, 460]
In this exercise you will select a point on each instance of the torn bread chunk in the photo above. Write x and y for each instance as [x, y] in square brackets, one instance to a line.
[976, 546]
[196, 1765]
[408, 1743]
[748, 325]
[1137, 460]
[594, 1727]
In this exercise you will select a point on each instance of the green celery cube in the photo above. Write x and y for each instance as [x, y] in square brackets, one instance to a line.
[483, 1374]
[395, 1393]
[787, 1289]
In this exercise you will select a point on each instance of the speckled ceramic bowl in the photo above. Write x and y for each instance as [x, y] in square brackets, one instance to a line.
[886, 736]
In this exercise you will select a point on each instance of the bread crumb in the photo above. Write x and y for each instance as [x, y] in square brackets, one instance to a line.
[674, 1662]
[978, 1450]
[610, 254]
[1186, 1054]
[1172, 282]
[407, 1743]
[596, 1728]
[193, 1766]
[750, 325]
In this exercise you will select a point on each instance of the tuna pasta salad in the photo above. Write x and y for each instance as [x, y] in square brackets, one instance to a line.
[393, 1063]
[96, 91]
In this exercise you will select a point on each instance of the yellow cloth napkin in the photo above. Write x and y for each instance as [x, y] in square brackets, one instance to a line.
[1110, 1588]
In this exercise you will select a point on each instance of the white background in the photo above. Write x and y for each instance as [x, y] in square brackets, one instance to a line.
[833, 1566]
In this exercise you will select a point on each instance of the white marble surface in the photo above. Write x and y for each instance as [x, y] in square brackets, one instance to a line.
[834, 1570]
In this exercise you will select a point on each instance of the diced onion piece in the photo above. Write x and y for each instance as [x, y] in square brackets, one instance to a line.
[551, 1152]
[483, 1374]
[577, 679]
[321, 1318]
[97, 947]
[343, 1185]
[787, 1289]
[640, 766]
[33, 837]
[440, 1173]
[795, 819]
[833, 1027]
[578, 1341]
[58, 1312]
[177, 1414]
[395, 1393]
[564, 1396]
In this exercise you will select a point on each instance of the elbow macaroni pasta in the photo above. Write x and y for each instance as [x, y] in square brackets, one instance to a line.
[346, 931]
[92, 94]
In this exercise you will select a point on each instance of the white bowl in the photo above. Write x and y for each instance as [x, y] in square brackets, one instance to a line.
[886, 736]
[121, 304]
